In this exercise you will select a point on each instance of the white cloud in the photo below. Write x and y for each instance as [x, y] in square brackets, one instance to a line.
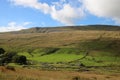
[68, 11]
[13, 26]
[67, 15]
[32, 4]
[103, 8]
[61, 11]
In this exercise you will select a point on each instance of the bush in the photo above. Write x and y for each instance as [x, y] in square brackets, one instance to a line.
[10, 54]
[20, 59]
[2, 51]
[6, 58]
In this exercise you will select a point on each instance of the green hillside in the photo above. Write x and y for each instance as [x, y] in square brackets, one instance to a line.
[93, 45]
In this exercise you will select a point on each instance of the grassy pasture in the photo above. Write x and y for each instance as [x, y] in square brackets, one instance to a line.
[66, 55]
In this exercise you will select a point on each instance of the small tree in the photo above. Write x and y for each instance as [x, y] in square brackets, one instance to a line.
[7, 57]
[20, 59]
[2, 51]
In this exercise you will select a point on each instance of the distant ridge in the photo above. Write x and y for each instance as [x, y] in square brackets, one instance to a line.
[98, 27]
[69, 28]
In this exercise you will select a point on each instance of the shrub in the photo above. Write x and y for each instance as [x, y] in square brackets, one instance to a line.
[11, 56]
[6, 58]
[2, 51]
[20, 59]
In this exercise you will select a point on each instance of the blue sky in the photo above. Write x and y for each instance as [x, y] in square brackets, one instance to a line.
[22, 14]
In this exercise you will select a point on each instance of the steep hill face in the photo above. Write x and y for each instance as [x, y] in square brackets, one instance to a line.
[93, 37]
[69, 28]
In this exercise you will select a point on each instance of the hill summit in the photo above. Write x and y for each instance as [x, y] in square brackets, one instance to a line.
[69, 28]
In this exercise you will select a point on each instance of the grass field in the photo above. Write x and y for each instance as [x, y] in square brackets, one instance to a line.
[96, 59]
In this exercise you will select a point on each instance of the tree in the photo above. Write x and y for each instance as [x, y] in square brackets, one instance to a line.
[2, 51]
[20, 59]
[7, 57]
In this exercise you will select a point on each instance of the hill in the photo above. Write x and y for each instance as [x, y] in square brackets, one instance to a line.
[67, 47]
[70, 36]
[69, 28]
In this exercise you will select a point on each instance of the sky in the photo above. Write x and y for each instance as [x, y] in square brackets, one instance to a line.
[22, 14]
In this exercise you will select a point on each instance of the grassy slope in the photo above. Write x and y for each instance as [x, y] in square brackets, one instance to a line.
[58, 39]
[72, 43]
[66, 48]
